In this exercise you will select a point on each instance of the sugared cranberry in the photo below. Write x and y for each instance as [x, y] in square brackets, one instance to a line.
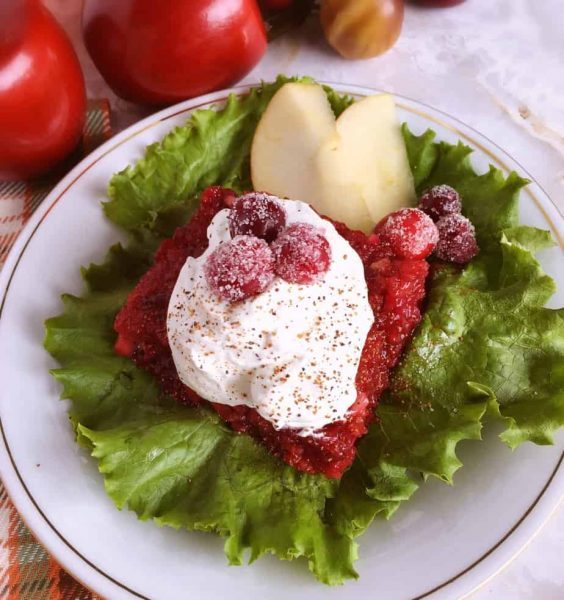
[257, 214]
[439, 201]
[409, 233]
[457, 240]
[216, 193]
[302, 254]
[240, 268]
[229, 197]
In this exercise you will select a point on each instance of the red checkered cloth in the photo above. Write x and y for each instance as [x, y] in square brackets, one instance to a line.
[26, 570]
[19, 199]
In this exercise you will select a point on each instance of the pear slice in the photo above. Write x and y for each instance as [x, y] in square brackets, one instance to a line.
[297, 120]
[354, 169]
[373, 151]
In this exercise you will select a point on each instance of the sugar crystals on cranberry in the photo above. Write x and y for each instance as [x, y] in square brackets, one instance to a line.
[408, 233]
[439, 201]
[457, 239]
[257, 214]
[240, 268]
[302, 254]
[216, 193]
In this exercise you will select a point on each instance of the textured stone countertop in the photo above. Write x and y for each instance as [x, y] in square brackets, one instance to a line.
[497, 65]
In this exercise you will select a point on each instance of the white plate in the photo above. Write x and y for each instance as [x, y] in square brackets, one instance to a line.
[443, 543]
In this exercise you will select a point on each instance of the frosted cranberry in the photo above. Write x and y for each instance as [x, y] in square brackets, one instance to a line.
[439, 201]
[229, 197]
[240, 268]
[302, 254]
[457, 239]
[257, 214]
[409, 233]
[216, 193]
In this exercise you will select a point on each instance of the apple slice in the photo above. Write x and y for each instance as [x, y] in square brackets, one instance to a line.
[372, 140]
[354, 169]
[297, 120]
[338, 194]
[296, 124]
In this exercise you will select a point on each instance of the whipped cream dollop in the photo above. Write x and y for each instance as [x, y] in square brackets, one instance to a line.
[292, 352]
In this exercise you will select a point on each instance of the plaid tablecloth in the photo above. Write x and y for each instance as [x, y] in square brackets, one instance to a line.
[26, 570]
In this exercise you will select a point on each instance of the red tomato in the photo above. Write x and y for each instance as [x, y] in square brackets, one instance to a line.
[163, 52]
[42, 98]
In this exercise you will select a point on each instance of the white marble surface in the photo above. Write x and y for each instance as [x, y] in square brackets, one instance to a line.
[498, 65]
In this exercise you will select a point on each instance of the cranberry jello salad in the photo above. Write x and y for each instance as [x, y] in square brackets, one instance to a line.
[276, 328]
[314, 308]
[286, 322]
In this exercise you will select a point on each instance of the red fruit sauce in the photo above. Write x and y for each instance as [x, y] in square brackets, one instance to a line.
[396, 288]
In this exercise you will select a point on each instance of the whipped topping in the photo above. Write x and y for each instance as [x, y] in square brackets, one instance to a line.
[292, 352]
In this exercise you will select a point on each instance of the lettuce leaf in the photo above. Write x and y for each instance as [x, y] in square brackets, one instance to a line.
[186, 469]
[487, 324]
[486, 349]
